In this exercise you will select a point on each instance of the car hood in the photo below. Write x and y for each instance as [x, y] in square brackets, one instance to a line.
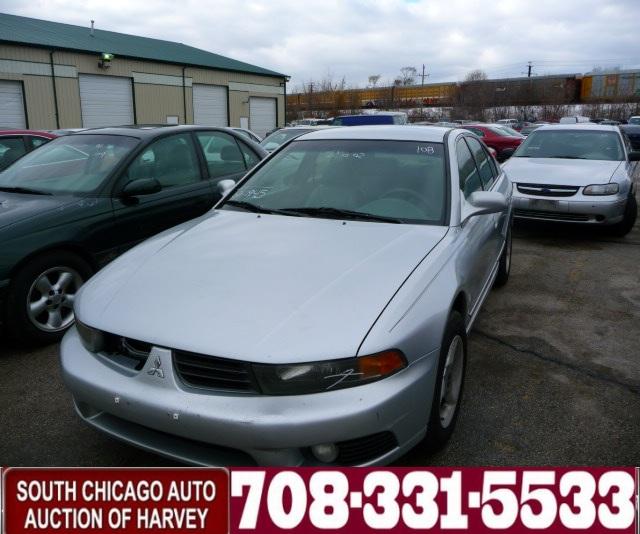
[16, 207]
[268, 288]
[556, 171]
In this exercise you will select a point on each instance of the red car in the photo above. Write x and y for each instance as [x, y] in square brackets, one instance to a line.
[16, 143]
[501, 138]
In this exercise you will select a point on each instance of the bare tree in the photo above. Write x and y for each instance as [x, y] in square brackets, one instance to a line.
[476, 76]
[408, 75]
[374, 79]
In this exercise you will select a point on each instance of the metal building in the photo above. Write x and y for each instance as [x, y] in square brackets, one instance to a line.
[55, 75]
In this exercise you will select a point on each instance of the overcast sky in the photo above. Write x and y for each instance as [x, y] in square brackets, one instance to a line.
[311, 40]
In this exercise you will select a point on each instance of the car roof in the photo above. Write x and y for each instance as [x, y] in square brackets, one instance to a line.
[146, 131]
[587, 126]
[41, 133]
[306, 127]
[432, 134]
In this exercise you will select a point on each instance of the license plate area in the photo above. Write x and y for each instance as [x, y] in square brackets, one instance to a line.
[543, 204]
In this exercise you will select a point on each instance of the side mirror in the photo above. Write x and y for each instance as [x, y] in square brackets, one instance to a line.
[142, 186]
[481, 203]
[225, 186]
[634, 155]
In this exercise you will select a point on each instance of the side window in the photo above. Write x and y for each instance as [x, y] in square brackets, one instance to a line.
[11, 149]
[221, 153]
[250, 157]
[487, 172]
[38, 141]
[171, 160]
[469, 177]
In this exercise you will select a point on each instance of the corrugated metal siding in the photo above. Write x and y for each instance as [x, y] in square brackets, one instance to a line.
[38, 92]
[39, 98]
[69, 102]
[155, 102]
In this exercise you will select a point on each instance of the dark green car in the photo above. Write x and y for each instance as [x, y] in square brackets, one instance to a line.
[79, 201]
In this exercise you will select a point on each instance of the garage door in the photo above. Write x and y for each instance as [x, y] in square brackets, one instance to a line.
[105, 101]
[11, 105]
[262, 115]
[210, 105]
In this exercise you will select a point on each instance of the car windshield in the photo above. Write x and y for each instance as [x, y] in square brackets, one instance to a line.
[74, 164]
[572, 144]
[634, 120]
[385, 181]
[281, 136]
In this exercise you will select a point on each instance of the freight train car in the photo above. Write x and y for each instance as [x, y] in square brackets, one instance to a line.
[610, 86]
[552, 89]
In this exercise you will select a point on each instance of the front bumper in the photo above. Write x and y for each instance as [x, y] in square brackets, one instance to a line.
[204, 427]
[578, 208]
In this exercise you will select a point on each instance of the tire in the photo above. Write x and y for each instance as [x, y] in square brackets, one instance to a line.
[504, 265]
[444, 415]
[625, 226]
[40, 292]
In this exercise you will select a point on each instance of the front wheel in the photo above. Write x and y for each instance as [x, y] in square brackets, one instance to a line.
[622, 228]
[445, 405]
[41, 297]
[504, 265]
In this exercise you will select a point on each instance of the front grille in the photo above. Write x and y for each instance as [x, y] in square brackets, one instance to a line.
[211, 372]
[545, 190]
[551, 215]
[361, 450]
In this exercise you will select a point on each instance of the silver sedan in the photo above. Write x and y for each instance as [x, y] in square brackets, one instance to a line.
[318, 315]
[577, 173]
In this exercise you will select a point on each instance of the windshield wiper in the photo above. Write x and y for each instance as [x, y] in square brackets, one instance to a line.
[25, 190]
[337, 213]
[248, 206]
[569, 157]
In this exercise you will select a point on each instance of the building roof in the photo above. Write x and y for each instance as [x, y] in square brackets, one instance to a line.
[36, 32]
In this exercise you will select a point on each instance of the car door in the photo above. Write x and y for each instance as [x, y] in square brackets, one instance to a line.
[477, 231]
[490, 177]
[226, 157]
[12, 147]
[186, 193]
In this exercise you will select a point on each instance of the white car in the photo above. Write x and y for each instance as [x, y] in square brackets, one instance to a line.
[578, 173]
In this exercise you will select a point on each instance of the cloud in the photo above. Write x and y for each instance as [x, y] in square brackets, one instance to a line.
[308, 39]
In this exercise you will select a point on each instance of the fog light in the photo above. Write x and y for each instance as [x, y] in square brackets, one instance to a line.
[327, 452]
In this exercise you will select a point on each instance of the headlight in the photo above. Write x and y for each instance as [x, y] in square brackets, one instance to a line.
[604, 189]
[92, 339]
[326, 376]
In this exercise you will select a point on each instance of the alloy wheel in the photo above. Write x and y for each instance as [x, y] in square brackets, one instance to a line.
[50, 298]
[451, 381]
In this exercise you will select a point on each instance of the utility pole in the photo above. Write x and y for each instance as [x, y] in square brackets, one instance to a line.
[423, 74]
[311, 97]
[529, 67]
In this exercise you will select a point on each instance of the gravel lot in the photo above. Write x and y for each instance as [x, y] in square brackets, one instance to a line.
[553, 374]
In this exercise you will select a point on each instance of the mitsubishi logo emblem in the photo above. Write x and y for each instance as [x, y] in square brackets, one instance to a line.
[156, 370]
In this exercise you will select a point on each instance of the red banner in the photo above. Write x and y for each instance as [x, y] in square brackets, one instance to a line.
[594, 500]
[125, 500]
